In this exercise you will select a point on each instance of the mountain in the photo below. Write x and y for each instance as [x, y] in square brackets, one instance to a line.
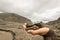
[14, 18]
[56, 26]
[54, 22]
[10, 24]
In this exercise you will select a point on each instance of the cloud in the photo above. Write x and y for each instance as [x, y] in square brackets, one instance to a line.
[1, 12]
[48, 15]
[24, 7]
[47, 10]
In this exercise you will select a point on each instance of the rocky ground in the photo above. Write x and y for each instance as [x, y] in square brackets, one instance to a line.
[10, 25]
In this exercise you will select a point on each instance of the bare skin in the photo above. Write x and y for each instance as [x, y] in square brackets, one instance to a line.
[41, 31]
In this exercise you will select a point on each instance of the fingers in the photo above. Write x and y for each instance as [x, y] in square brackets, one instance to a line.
[31, 31]
[24, 25]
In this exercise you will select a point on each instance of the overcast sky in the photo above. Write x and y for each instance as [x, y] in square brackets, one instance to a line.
[36, 10]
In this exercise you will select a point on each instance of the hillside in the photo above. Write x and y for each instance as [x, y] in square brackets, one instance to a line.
[11, 23]
[54, 22]
[56, 26]
[14, 18]
[9, 28]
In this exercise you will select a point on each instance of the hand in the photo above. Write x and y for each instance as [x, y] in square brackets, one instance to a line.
[31, 32]
[24, 25]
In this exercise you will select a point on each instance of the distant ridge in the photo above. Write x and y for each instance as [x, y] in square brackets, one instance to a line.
[54, 22]
[14, 18]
